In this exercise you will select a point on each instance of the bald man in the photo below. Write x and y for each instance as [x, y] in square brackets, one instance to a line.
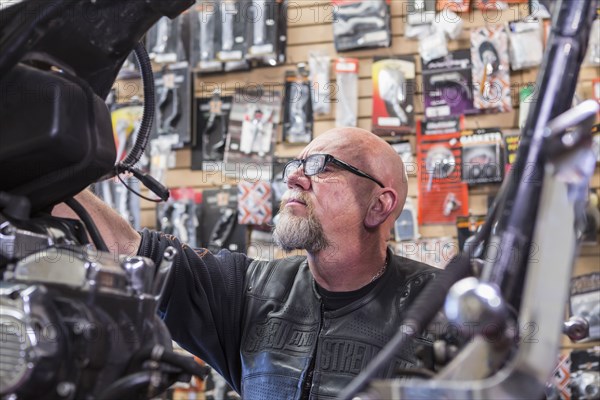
[303, 326]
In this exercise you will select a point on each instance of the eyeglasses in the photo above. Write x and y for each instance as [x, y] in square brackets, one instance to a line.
[316, 163]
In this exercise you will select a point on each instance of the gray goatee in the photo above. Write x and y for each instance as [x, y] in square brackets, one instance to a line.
[294, 232]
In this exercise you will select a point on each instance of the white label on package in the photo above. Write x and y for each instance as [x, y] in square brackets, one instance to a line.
[441, 111]
[389, 121]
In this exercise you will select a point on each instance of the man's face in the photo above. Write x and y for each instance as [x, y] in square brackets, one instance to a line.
[318, 210]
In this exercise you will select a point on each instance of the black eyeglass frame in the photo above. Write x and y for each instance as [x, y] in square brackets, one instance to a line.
[328, 159]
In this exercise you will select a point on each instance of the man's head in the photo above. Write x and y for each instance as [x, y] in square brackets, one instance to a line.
[356, 192]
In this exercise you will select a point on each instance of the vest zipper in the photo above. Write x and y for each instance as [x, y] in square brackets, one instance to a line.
[307, 384]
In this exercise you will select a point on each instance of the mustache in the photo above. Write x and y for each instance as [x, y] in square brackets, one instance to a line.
[295, 195]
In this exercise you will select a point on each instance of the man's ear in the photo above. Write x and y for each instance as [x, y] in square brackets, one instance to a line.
[380, 208]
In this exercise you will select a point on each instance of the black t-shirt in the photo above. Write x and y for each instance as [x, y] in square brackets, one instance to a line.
[336, 300]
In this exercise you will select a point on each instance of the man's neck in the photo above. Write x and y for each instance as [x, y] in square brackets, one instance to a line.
[342, 269]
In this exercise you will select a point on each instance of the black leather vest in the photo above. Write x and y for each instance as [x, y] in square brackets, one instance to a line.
[285, 327]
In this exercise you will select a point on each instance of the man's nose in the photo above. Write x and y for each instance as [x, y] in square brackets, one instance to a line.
[297, 179]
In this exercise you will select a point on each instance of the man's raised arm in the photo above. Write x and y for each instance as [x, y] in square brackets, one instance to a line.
[118, 234]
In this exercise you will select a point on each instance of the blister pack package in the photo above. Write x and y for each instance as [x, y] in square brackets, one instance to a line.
[219, 228]
[297, 112]
[491, 75]
[448, 86]
[420, 14]
[442, 194]
[319, 65]
[481, 155]
[361, 24]
[406, 226]
[393, 95]
[526, 45]
[253, 123]
[233, 44]
[212, 120]
[433, 44]
[266, 31]
[164, 41]
[179, 215]
[346, 112]
[204, 21]
[173, 92]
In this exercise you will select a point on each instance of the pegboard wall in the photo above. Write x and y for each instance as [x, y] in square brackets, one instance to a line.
[310, 30]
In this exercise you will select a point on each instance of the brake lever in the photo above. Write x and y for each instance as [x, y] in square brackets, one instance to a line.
[163, 102]
[210, 124]
[219, 147]
[173, 118]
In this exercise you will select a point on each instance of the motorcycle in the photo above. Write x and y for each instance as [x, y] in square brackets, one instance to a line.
[77, 322]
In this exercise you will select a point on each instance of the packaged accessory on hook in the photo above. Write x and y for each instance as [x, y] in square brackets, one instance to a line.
[448, 86]
[218, 227]
[179, 216]
[406, 226]
[164, 41]
[393, 95]
[433, 44]
[173, 91]
[205, 28]
[253, 122]
[526, 46]
[212, 120]
[491, 79]
[441, 193]
[256, 130]
[233, 30]
[297, 114]
[266, 31]
[420, 14]
[361, 24]
[318, 65]
[346, 111]
[481, 155]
